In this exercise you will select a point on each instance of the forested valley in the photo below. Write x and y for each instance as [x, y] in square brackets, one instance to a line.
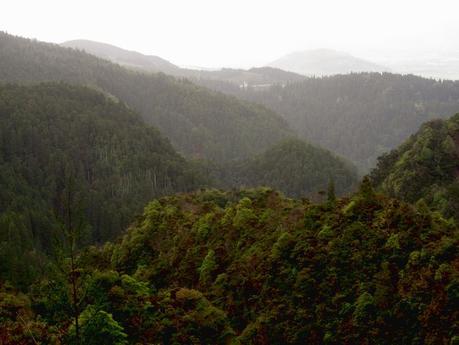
[199, 123]
[143, 208]
[69, 145]
[359, 115]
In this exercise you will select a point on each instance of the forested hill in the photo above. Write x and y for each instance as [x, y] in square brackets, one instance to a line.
[294, 167]
[359, 116]
[127, 58]
[425, 167]
[256, 268]
[58, 139]
[199, 122]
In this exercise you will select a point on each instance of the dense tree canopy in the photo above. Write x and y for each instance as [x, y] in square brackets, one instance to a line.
[424, 167]
[200, 123]
[293, 167]
[359, 116]
[204, 266]
[54, 134]
[256, 268]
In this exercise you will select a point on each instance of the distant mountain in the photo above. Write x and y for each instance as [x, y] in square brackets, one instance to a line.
[200, 123]
[123, 57]
[361, 115]
[256, 77]
[324, 62]
[426, 167]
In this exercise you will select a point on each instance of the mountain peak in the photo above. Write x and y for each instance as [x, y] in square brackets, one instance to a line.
[322, 62]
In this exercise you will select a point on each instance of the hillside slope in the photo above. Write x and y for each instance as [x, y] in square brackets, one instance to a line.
[295, 168]
[256, 268]
[359, 116]
[59, 140]
[199, 123]
[425, 167]
[254, 77]
[123, 57]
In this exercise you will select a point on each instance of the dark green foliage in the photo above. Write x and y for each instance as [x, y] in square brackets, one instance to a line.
[253, 267]
[425, 168]
[288, 272]
[50, 132]
[200, 123]
[98, 328]
[293, 167]
[18, 324]
[209, 267]
[360, 115]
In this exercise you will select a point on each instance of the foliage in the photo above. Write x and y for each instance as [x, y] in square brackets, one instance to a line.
[293, 167]
[18, 324]
[273, 270]
[51, 132]
[359, 116]
[98, 327]
[213, 267]
[424, 168]
[199, 123]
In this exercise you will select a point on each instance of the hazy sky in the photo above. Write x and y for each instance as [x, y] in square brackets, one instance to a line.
[242, 33]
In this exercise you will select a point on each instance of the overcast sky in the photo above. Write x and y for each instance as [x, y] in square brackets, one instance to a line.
[242, 33]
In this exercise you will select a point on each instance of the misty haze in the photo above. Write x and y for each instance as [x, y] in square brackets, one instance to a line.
[216, 172]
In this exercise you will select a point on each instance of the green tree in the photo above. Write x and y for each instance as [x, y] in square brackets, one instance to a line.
[98, 328]
[70, 214]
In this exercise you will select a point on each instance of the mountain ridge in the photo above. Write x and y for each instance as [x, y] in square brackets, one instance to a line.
[65, 144]
[324, 62]
[360, 115]
[199, 122]
[128, 58]
[154, 64]
[425, 168]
